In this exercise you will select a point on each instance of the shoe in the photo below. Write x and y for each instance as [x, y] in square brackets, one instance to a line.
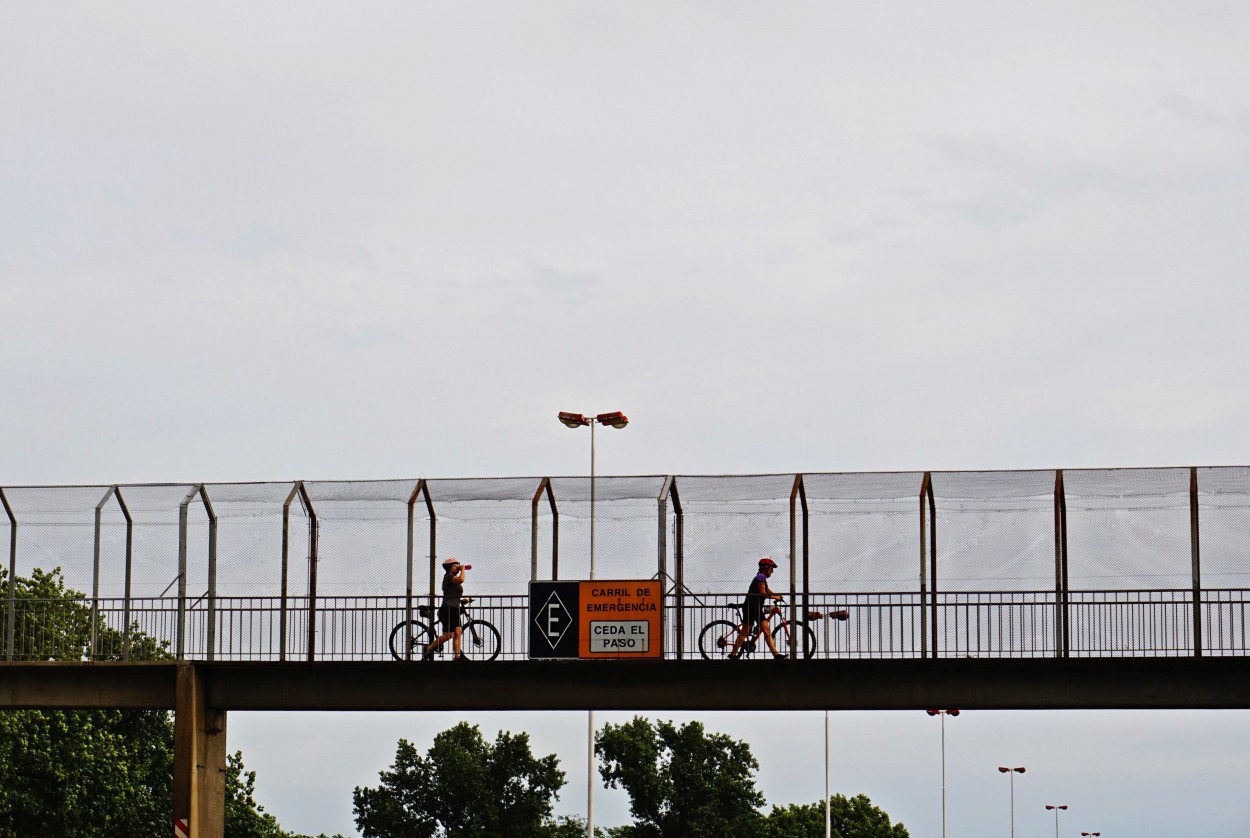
[733, 656]
[428, 655]
[777, 656]
[460, 658]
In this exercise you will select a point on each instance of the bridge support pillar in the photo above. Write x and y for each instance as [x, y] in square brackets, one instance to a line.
[199, 759]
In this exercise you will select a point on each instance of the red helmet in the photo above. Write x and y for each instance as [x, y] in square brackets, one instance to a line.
[767, 562]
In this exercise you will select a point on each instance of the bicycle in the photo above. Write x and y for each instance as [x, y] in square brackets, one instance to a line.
[716, 639]
[480, 641]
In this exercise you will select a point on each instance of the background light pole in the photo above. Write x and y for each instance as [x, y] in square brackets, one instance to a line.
[1011, 773]
[943, 714]
[1056, 809]
[618, 420]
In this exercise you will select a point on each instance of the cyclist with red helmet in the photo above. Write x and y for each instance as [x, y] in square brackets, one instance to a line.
[753, 609]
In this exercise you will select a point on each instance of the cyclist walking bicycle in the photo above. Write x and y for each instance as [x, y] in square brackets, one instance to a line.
[449, 610]
[753, 612]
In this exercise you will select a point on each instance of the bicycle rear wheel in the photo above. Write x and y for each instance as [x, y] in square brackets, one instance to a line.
[716, 640]
[480, 641]
[797, 629]
[421, 637]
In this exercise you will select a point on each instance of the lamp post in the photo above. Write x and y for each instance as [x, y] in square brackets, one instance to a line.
[1057, 810]
[943, 714]
[1011, 773]
[618, 420]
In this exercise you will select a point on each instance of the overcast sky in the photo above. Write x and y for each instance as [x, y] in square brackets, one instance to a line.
[244, 241]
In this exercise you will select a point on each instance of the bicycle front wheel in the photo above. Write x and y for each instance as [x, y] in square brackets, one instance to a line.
[479, 641]
[421, 637]
[716, 640]
[784, 638]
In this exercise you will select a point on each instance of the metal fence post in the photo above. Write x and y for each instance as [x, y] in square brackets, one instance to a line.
[211, 638]
[10, 634]
[796, 633]
[130, 525]
[180, 642]
[1195, 559]
[1063, 626]
[544, 485]
[409, 574]
[679, 557]
[928, 568]
[313, 538]
[286, 563]
[95, 575]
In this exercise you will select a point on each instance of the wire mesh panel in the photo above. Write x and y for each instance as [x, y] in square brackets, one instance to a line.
[1224, 526]
[56, 529]
[864, 531]
[995, 530]
[362, 530]
[625, 527]
[730, 522]
[485, 522]
[1128, 528]
[249, 538]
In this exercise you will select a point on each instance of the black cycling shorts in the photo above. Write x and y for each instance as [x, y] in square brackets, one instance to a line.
[449, 616]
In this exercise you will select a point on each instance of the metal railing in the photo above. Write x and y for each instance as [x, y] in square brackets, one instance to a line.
[976, 624]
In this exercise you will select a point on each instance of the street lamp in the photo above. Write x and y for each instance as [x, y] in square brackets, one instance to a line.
[617, 420]
[943, 714]
[1091, 833]
[1057, 809]
[1012, 772]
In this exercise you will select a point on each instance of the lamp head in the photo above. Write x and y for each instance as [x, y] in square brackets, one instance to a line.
[573, 420]
[616, 419]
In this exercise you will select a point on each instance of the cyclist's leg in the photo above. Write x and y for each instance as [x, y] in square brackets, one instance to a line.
[767, 634]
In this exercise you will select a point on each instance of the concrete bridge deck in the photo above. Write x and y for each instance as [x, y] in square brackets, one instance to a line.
[1028, 684]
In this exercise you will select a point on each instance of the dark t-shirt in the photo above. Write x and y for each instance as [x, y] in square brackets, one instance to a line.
[753, 605]
[449, 611]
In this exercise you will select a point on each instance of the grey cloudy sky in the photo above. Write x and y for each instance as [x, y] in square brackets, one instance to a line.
[277, 241]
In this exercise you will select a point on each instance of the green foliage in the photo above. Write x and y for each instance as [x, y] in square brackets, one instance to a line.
[54, 623]
[464, 787]
[681, 781]
[854, 817]
[95, 772]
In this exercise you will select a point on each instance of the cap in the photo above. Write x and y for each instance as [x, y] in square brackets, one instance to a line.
[450, 562]
[767, 562]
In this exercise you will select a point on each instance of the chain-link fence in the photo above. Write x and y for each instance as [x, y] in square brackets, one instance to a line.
[980, 564]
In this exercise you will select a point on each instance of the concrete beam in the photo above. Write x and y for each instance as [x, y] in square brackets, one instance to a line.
[1030, 684]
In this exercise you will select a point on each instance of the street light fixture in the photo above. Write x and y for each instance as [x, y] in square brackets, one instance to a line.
[1057, 810]
[617, 420]
[943, 714]
[1011, 773]
[1091, 833]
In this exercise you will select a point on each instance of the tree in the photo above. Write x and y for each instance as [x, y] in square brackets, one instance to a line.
[855, 817]
[681, 781]
[95, 772]
[464, 787]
